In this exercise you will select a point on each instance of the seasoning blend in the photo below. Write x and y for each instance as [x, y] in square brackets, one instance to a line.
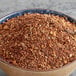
[42, 44]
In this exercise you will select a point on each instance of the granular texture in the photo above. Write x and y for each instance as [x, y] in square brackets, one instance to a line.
[38, 41]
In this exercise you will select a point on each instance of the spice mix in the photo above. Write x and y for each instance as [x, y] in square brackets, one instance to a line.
[38, 41]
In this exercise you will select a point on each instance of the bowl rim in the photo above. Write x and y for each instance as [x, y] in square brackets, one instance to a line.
[6, 17]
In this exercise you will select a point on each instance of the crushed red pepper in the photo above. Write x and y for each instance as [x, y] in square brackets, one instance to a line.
[38, 41]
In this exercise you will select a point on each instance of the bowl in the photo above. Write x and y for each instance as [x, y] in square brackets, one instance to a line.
[11, 70]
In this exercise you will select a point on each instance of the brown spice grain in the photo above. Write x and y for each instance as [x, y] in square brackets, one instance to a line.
[38, 41]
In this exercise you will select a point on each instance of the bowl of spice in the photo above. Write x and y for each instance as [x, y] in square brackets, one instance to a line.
[37, 42]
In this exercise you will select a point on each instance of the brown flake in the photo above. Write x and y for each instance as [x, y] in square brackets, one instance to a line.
[38, 41]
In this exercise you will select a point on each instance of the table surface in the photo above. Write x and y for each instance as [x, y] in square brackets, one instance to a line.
[66, 6]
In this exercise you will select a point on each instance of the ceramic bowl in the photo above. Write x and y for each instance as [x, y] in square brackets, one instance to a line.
[11, 70]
